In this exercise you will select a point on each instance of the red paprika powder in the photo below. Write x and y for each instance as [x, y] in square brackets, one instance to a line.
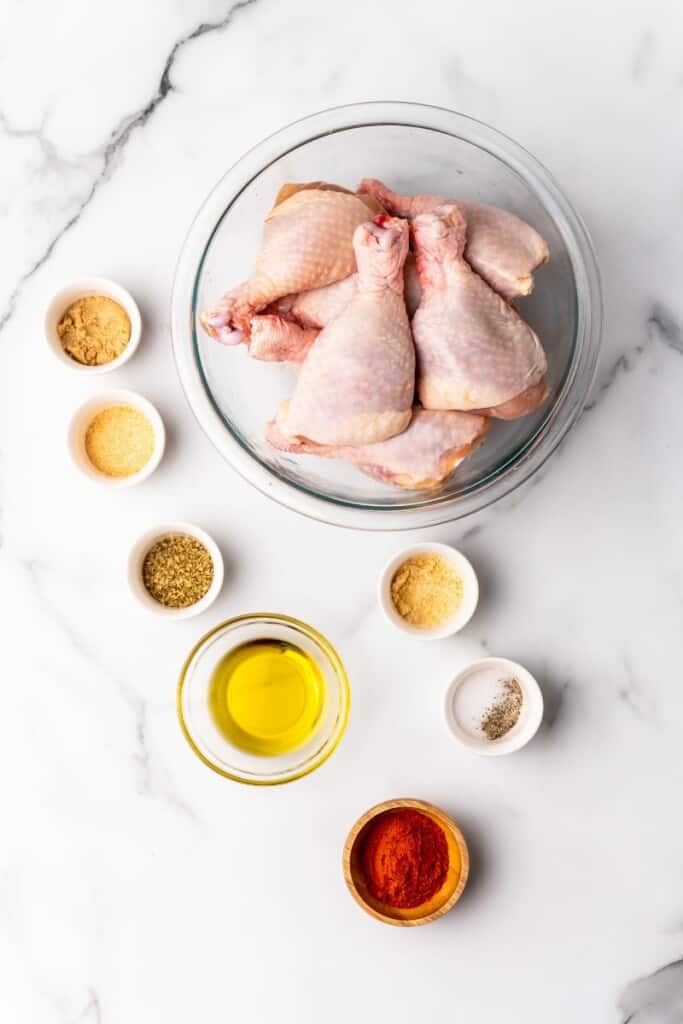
[404, 856]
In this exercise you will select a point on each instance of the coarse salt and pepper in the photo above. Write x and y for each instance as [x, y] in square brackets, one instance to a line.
[494, 706]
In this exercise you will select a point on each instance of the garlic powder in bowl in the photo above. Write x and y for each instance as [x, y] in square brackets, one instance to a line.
[426, 590]
[117, 438]
[429, 589]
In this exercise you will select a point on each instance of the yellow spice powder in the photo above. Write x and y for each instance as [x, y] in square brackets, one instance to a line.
[94, 330]
[426, 590]
[119, 441]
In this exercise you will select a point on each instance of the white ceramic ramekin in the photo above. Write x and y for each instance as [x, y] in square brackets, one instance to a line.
[529, 720]
[137, 556]
[84, 416]
[78, 290]
[466, 608]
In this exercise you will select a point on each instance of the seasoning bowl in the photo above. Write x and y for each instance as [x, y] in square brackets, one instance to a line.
[442, 901]
[84, 416]
[136, 560]
[211, 745]
[61, 301]
[462, 723]
[464, 611]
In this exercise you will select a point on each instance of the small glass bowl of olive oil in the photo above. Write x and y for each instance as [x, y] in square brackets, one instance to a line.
[263, 699]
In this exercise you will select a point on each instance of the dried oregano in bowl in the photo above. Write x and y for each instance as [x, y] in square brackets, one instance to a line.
[177, 571]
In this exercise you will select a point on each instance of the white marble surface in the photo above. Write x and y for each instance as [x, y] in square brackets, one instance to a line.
[134, 884]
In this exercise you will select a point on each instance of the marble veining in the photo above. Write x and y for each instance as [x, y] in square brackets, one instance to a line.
[135, 885]
[118, 139]
[642, 60]
[151, 779]
[656, 998]
[92, 1011]
[663, 326]
[634, 695]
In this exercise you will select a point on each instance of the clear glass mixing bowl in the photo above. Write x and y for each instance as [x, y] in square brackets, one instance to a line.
[414, 148]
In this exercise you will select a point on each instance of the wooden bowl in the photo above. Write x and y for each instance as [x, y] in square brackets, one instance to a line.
[442, 901]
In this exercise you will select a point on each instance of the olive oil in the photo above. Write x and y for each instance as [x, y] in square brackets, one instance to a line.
[267, 696]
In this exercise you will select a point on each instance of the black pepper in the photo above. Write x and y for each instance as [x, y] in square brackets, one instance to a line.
[504, 713]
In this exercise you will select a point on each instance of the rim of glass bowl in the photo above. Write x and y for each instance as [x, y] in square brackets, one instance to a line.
[515, 468]
[324, 752]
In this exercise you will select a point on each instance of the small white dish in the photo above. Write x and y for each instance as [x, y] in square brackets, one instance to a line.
[136, 559]
[472, 692]
[84, 416]
[470, 587]
[78, 290]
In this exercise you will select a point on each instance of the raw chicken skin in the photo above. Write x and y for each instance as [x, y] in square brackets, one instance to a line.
[357, 381]
[422, 456]
[287, 328]
[278, 340]
[316, 308]
[474, 352]
[307, 243]
[413, 288]
[503, 249]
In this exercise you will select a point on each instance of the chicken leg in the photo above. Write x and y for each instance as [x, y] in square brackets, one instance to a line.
[474, 352]
[307, 243]
[503, 249]
[288, 327]
[357, 381]
[422, 456]
[316, 308]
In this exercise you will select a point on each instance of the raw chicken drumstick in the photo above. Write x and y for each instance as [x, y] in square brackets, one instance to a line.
[317, 307]
[307, 243]
[422, 456]
[474, 352]
[287, 328]
[356, 384]
[503, 249]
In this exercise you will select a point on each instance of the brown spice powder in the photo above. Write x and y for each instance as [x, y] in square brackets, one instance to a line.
[426, 590]
[119, 441]
[177, 571]
[504, 712]
[94, 330]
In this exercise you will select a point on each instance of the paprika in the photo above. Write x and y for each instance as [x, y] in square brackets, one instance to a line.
[404, 856]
